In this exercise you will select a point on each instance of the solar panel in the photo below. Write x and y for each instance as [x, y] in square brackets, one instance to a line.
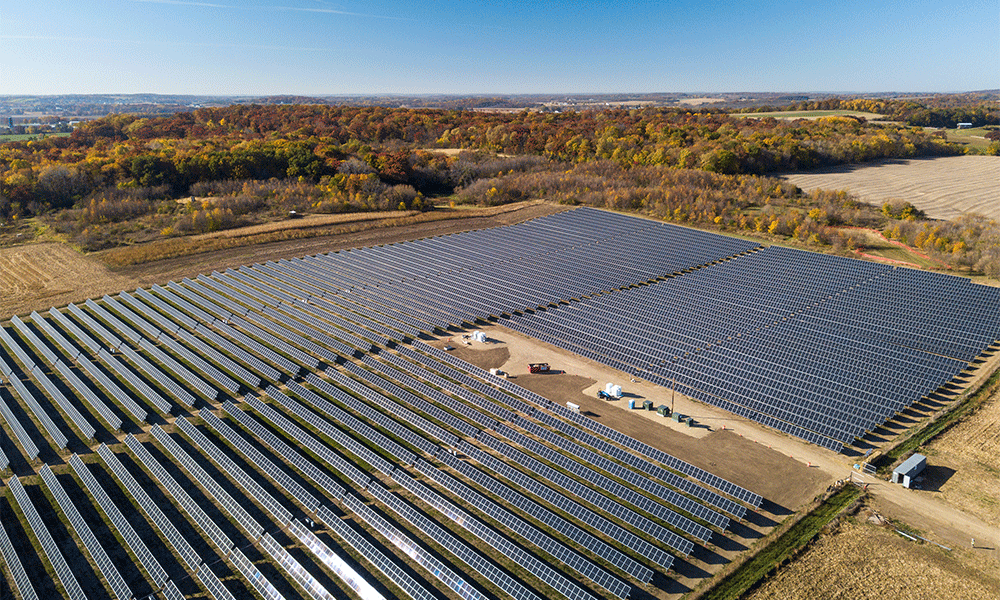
[287, 562]
[234, 509]
[118, 521]
[528, 532]
[570, 507]
[550, 519]
[211, 582]
[62, 570]
[253, 576]
[255, 457]
[175, 491]
[104, 564]
[247, 483]
[356, 426]
[162, 523]
[336, 490]
[420, 555]
[545, 573]
[345, 572]
[369, 413]
[55, 434]
[457, 548]
[27, 444]
[22, 583]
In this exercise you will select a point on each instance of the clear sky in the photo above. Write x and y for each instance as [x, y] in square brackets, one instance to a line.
[317, 47]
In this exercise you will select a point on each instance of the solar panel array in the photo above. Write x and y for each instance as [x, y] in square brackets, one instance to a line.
[340, 398]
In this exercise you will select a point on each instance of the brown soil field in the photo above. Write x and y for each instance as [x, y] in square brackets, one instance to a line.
[943, 187]
[863, 561]
[37, 276]
[964, 463]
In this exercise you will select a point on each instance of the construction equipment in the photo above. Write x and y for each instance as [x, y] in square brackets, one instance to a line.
[602, 395]
[538, 367]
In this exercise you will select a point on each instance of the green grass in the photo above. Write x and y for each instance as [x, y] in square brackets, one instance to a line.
[974, 137]
[25, 137]
[752, 571]
[939, 425]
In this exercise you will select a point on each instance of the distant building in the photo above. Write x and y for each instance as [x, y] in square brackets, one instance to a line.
[965, 125]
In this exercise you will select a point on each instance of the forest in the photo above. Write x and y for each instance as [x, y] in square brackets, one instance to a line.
[129, 178]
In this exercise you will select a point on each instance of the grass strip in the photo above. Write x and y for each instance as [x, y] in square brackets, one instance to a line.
[960, 409]
[747, 575]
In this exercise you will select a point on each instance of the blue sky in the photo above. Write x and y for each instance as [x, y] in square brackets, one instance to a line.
[316, 47]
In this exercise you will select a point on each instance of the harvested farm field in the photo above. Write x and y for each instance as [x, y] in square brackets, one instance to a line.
[865, 561]
[943, 187]
[37, 276]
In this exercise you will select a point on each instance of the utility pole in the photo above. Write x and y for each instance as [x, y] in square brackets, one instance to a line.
[673, 388]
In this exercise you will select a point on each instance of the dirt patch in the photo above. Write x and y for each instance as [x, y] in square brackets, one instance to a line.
[868, 562]
[37, 276]
[943, 187]
[484, 358]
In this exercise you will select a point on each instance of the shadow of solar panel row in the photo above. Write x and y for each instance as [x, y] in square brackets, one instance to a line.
[526, 531]
[28, 446]
[403, 542]
[166, 527]
[369, 413]
[22, 583]
[453, 545]
[545, 516]
[542, 571]
[626, 494]
[463, 408]
[253, 575]
[55, 557]
[276, 474]
[118, 521]
[348, 575]
[86, 535]
[646, 451]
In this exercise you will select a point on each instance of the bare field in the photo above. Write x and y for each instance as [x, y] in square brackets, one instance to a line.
[944, 187]
[868, 562]
[37, 276]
